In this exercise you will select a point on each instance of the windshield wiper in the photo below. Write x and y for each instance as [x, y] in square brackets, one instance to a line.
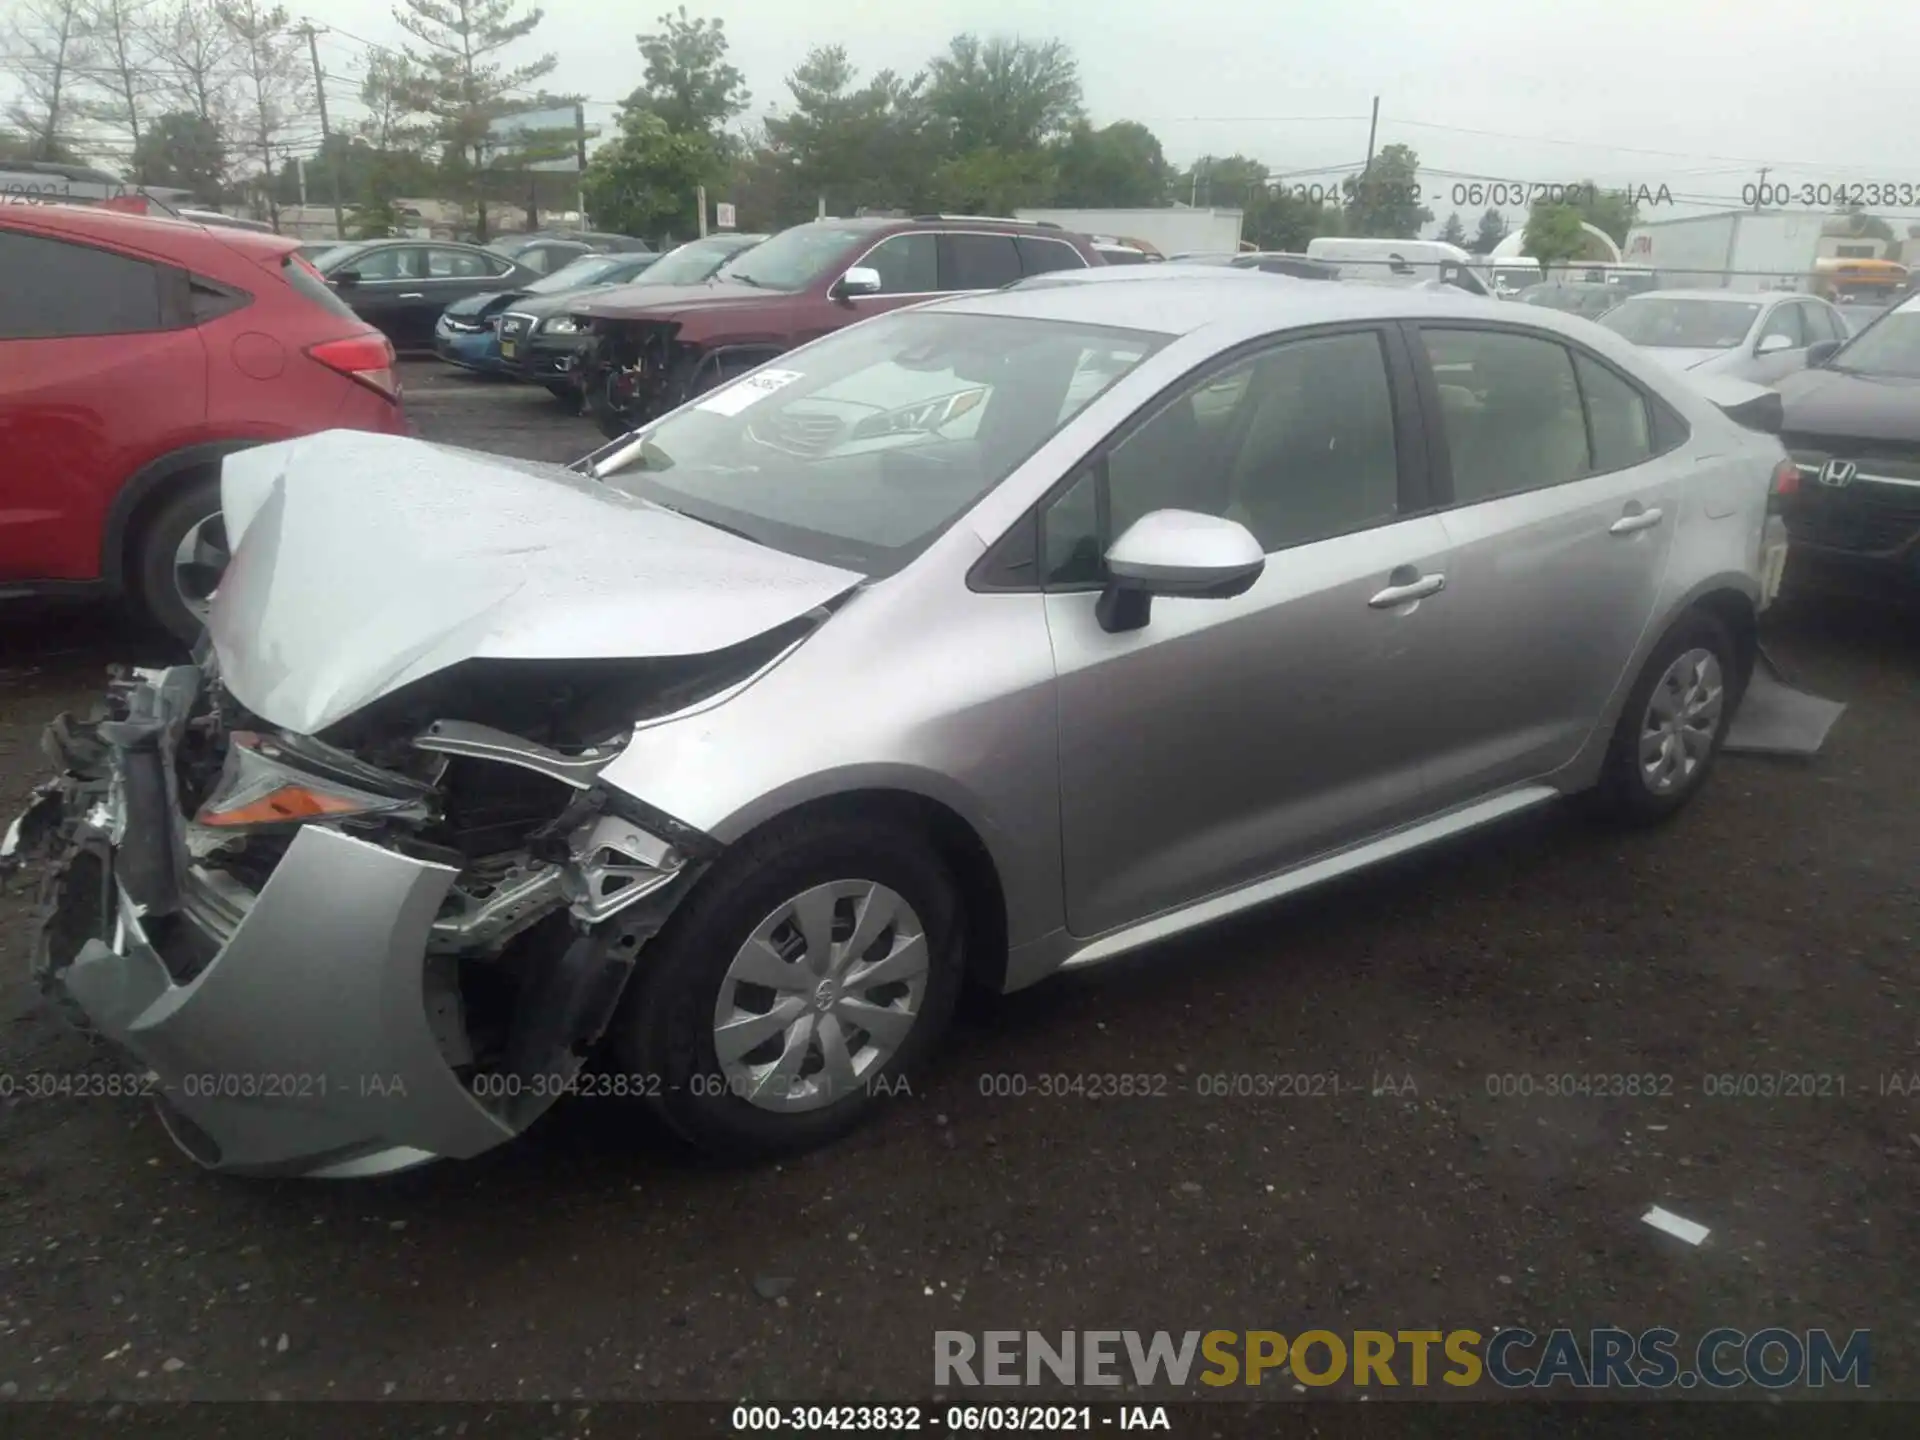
[745, 280]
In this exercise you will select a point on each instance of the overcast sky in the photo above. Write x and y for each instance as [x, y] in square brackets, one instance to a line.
[1693, 94]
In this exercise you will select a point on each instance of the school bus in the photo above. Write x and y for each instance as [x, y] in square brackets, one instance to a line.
[1846, 279]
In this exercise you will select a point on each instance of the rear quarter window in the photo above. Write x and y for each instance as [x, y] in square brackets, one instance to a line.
[303, 278]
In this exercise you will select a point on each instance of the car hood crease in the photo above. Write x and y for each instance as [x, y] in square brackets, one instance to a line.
[362, 563]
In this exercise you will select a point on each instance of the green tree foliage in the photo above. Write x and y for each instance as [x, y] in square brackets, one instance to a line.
[1612, 211]
[1384, 201]
[1453, 231]
[1490, 232]
[1555, 233]
[644, 181]
[1118, 166]
[988, 181]
[184, 149]
[689, 82]
[1272, 216]
[1004, 93]
[873, 146]
[48, 48]
[461, 86]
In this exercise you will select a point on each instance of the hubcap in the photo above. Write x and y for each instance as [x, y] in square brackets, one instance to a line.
[1683, 716]
[822, 994]
[199, 561]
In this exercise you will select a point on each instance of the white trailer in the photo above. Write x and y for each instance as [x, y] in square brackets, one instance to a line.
[1172, 230]
[1741, 250]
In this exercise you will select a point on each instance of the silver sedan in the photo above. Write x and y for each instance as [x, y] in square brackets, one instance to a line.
[1754, 336]
[999, 636]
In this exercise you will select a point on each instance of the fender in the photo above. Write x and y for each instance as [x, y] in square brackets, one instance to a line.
[145, 482]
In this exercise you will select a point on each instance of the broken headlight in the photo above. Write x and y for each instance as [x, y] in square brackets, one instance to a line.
[924, 418]
[269, 781]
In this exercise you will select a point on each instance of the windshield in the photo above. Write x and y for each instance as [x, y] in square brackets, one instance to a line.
[1890, 347]
[587, 270]
[1682, 324]
[860, 451]
[692, 262]
[794, 259]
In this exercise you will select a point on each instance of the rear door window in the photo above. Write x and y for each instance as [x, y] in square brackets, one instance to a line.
[302, 277]
[55, 289]
[1510, 409]
[978, 262]
[1038, 256]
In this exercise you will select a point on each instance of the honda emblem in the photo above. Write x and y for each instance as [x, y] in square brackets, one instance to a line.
[1838, 473]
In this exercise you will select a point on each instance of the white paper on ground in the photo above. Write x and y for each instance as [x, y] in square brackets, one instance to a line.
[747, 390]
[1674, 1225]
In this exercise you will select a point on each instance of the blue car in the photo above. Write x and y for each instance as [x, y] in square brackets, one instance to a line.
[468, 331]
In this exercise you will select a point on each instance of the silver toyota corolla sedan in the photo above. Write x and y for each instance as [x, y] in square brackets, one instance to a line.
[1005, 634]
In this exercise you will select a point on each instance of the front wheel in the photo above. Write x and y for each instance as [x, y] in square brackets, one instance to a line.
[182, 553]
[1675, 719]
[798, 989]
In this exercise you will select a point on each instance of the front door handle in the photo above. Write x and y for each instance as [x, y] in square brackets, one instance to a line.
[1637, 520]
[411, 295]
[1418, 589]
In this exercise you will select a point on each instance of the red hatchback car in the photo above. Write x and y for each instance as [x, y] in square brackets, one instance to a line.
[135, 353]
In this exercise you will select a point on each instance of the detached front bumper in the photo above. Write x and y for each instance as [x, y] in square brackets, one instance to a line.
[308, 1029]
[470, 349]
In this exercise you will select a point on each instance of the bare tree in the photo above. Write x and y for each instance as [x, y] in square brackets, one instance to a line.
[275, 81]
[120, 84]
[390, 95]
[46, 49]
[194, 54]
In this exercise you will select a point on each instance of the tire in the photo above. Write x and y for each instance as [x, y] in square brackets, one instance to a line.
[666, 1032]
[1626, 792]
[156, 587]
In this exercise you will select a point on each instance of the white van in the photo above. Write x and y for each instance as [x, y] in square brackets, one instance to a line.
[1361, 258]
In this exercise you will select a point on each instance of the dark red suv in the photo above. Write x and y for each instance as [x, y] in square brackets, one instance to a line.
[135, 353]
[653, 347]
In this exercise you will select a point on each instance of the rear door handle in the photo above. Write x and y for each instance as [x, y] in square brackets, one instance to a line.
[411, 295]
[1639, 520]
[1413, 590]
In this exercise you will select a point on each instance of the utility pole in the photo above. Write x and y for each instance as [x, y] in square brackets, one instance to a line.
[300, 170]
[1373, 129]
[580, 163]
[312, 32]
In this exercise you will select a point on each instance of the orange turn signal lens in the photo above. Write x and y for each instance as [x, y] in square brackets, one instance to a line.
[279, 807]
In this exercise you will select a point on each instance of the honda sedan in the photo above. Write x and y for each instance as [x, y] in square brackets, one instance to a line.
[998, 636]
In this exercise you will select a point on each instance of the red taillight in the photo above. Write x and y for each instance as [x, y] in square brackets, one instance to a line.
[1786, 478]
[367, 358]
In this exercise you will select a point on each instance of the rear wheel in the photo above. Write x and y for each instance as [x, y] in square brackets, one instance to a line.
[181, 555]
[809, 976]
[1673, 724]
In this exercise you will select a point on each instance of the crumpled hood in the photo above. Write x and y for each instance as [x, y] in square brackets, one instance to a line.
[643, 301]
[1861, 407]
[364, 562]
[473, 307]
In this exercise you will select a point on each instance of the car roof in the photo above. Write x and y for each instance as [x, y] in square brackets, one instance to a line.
[180, 240]
[1173, 300]
[1738, 297]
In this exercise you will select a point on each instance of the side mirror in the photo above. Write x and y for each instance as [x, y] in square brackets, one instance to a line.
[1822, 351]
[860, 280]
[346, 279]
[1773, 345]
[1176, 553]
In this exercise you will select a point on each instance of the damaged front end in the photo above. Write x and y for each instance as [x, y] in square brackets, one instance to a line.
[634, 371]
[352, 952]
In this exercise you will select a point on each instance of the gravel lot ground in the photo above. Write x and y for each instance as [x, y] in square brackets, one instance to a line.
[1771, 929]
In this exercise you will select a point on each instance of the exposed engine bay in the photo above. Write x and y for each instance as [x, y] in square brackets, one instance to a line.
[176, 807]
[636, 370]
